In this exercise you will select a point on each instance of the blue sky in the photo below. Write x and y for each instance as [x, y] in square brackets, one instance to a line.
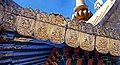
[64, 7]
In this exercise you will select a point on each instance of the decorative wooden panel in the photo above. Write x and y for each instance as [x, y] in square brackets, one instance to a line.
[102, 44]
[25, 26]
[41, 30]
[86, 41]
[114, 47]
[57, 34]
[72, 38]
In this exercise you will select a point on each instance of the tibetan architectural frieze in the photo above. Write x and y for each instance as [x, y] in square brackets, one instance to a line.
[73, 25]
[1, 15]
[54, 27]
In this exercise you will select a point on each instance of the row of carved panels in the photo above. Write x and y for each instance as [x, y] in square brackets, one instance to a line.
[108, 30]
[59, 34]
[53, 27]
[42, 30]
[59, 20]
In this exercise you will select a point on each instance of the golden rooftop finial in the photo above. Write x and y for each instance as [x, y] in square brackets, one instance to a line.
[81, 11]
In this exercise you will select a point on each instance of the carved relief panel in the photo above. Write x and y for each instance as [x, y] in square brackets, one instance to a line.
[102, 31]
[102, 44]
[41, 30]
[86, 41]
[72, 38]
[25, 26]
[114, 47]
[57, 34]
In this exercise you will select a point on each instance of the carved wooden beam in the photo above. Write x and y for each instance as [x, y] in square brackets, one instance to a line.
[56, 28]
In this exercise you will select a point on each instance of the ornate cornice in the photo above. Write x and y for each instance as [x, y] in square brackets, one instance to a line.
[56, 28]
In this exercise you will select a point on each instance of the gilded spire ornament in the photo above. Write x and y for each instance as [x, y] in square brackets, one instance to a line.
[81, 11]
